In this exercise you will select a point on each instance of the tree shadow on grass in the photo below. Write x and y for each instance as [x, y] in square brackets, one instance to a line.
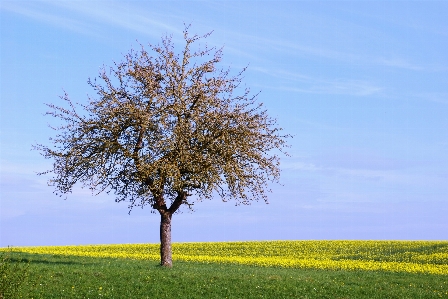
[32, 258]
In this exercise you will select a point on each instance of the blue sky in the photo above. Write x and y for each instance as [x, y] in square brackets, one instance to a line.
[362, 86]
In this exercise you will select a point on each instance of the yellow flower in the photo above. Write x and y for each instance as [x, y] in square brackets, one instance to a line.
[395, 256]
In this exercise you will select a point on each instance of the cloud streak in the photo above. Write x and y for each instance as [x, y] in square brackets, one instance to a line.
[404, 178]
[314, 85]
[121, 15]
[84, 15]
[38, 12]
[406, 65]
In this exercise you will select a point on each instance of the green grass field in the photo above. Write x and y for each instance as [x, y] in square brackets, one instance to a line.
[70, 276]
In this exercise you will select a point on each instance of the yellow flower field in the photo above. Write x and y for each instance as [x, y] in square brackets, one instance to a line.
[398, 256]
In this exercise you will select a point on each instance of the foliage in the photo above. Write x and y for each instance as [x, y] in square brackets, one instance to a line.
[57, 276]
[12, 275]
[165, 128]
[393, 256]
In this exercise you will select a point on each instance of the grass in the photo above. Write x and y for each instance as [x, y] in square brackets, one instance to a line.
[12, 275]
[61, 276]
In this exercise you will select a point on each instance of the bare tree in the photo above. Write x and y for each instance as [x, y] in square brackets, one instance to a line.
[166, 131]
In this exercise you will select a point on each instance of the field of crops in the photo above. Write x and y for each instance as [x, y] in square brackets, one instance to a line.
[396, 256]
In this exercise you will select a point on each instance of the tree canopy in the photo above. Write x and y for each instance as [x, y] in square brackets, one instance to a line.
[167, 130]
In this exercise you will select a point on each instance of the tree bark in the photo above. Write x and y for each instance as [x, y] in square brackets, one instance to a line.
[166, 259]
[165, 239]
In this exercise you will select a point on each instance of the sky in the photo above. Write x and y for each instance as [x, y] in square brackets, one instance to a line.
[361, 85]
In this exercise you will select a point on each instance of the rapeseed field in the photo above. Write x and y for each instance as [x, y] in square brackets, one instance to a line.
[429, 257]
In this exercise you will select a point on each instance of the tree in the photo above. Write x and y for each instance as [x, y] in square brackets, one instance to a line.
[166, 131]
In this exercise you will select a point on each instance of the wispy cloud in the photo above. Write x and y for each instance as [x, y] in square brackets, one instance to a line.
[404, 64]
[437, 97]
[333, 86]
[335, 171]
[85, 16]
[399, 63]
[37, 11]
[395, 176]
[120, 14]
[337, 87]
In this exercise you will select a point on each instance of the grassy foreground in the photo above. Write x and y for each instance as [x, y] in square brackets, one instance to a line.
[58, 275]
[53, 276]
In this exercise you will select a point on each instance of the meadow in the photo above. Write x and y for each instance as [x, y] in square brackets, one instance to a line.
[269, 269]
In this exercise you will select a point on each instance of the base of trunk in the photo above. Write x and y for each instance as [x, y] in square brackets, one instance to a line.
[165, 240]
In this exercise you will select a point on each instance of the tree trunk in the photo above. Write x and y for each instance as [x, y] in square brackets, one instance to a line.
[165, 240]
